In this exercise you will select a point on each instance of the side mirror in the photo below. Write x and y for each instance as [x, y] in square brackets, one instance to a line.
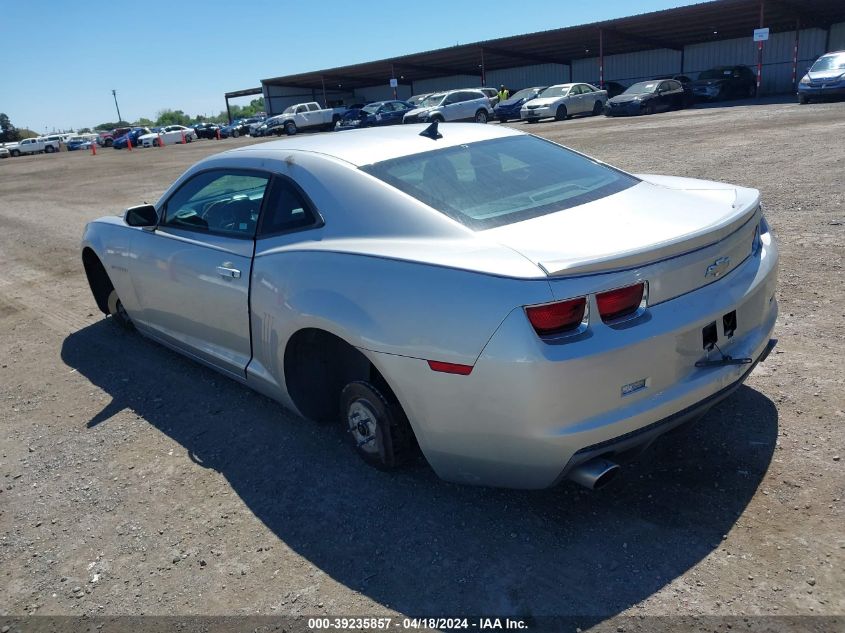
[143, 215]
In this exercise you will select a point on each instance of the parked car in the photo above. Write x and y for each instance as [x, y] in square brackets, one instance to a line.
[648, 97]
[492, 94]
[374, 114]
[538, 314]
[725, 82]
[564, 100]
[824, 79]
[613, 88]
[239, 127]
[4, 152]
[454, 105]
[168, 135]
[509, 108]
[34, 146]
[206, 130]
[274, 126]
[417, 99]
[304, 116]
[79, 142]
[133, 135]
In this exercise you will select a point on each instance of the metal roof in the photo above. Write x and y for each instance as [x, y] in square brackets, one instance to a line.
[671, 28]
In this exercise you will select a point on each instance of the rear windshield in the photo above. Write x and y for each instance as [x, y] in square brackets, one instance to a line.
[501, 181]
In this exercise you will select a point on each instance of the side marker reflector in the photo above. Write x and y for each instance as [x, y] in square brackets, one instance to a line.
[450, 368]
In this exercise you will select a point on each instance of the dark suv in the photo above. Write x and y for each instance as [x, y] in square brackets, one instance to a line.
[725, 82]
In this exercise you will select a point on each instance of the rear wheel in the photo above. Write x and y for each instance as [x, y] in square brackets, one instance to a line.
[597, 108]
[118, 312]
[235, 134]
[560, 114]
[377, 429]
[290, 128]
[481, 116]
[49, 149]
[14, 153]
[802, 99]
[649, 108]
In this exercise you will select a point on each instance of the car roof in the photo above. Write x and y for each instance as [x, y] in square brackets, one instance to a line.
[372, 145]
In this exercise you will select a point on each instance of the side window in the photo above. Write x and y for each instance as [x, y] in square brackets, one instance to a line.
[575, 90]
[222, 202]
[302, 109]
[675, 85]
[286, 209]
[313, 107]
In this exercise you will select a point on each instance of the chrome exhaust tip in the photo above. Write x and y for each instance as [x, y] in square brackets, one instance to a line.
[595, 473]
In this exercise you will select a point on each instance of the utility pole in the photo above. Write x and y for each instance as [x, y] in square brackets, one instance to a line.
[117, 107]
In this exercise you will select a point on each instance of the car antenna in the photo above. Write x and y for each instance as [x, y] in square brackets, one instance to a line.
[431, 132]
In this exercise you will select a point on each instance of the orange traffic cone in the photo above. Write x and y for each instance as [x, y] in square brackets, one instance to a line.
[129, 144]
[93, 149]
[218, 134]
[184, 140]
[160, 140]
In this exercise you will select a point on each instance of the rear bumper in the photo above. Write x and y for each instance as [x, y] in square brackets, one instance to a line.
[531, 410]
[640, 439]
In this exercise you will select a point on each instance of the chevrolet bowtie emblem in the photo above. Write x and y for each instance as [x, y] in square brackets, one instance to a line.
[718, 268]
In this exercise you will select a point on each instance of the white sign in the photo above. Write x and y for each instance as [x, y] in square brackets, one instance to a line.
[394, 83]
[761, 35]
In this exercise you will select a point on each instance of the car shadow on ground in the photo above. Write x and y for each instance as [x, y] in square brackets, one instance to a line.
[425, 547]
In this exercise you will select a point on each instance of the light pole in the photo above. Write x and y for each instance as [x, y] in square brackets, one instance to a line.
[117, 107]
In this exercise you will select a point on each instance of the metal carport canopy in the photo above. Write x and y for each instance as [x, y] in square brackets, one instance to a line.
[671, 28]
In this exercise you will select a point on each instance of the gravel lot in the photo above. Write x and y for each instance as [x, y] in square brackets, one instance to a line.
[133, 481]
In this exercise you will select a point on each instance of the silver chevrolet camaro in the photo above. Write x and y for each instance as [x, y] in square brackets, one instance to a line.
[519, 312]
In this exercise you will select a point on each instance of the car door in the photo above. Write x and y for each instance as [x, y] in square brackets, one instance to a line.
[451, 107]
[302, 116]
[574, 101]
[287, 218]
[676, 90]
[191, 273]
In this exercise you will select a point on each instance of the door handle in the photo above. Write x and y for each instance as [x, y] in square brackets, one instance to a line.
[225, 271]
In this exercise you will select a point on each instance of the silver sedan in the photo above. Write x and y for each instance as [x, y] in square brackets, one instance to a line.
[517, 312]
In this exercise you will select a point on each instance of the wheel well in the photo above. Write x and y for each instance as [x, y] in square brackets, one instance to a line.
[98, 279]
[318, 365]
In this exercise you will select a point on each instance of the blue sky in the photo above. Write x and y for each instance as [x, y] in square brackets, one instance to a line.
[62, 58]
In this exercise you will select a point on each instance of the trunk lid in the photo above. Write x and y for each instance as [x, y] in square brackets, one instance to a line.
[659, 218]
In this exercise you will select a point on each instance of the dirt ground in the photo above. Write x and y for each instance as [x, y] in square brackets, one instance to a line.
[133, 481]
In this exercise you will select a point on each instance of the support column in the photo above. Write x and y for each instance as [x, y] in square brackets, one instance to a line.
[325, 100]
[760, 52]
[483, 73]
[601, 59]
[228, 111]
[795, 54]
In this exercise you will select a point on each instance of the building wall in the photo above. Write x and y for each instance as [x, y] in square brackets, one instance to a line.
[381, 93]
[626, 69]
[529, 76]
[446, 83]
[777, 56]
[277, 98]
[837, 37]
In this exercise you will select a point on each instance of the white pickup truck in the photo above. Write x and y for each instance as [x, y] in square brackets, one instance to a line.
[33, 146]
[303, 116]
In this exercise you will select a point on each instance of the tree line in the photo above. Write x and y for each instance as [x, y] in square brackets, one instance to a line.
[178, 117]
[9, 132]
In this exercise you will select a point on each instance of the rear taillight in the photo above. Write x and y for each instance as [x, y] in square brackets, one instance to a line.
[615, 304]
[554, 318]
